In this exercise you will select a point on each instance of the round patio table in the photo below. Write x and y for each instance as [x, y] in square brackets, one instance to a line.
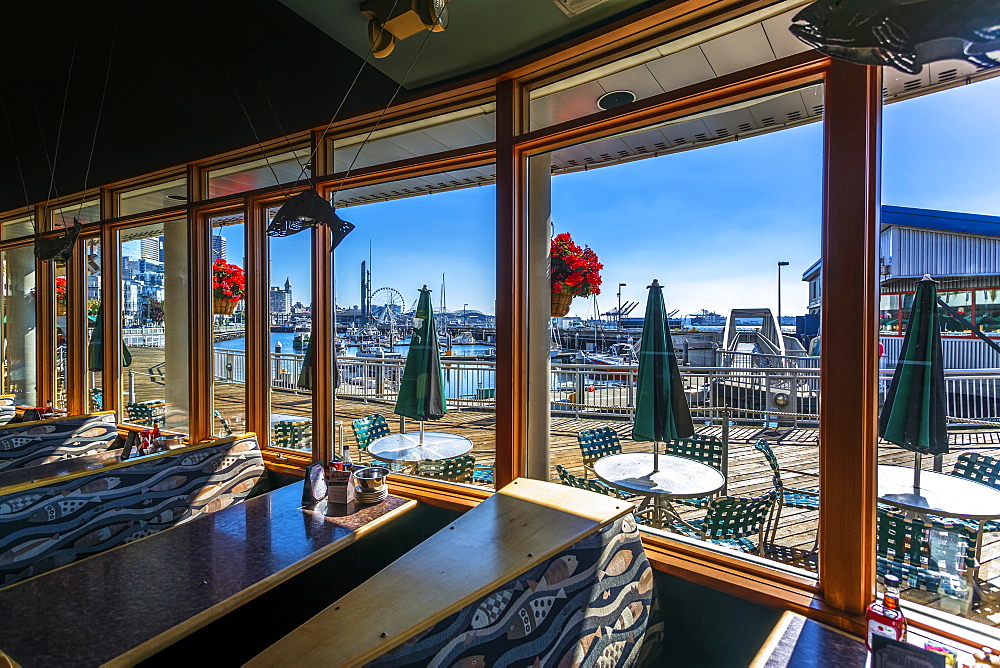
[677, 478]
[939, 494]
[406, 447]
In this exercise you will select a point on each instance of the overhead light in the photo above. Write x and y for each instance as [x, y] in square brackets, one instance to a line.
[615, 98]
[389, 20]
[177, 198]
[574, 7]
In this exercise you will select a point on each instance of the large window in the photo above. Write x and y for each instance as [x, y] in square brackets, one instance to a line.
[19, 331]
[154, 310]
[713, 227]
[228, 324]
[936, 223]
[436, 231]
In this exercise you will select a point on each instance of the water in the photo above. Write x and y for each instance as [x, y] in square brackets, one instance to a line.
[286, 338]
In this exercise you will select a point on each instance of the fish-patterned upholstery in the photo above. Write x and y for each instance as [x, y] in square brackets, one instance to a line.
[8, 408]
[52, 522]
[24, 444]
[589, 605]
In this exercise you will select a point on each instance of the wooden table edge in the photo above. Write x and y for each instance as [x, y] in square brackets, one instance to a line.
[205, 617]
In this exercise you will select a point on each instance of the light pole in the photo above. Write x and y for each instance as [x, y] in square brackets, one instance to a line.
[780, 265]
[620, 286]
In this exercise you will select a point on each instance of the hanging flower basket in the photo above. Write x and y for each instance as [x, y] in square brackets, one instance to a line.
[223, 306]
[574, 272]
[560, 304]
[228, 287]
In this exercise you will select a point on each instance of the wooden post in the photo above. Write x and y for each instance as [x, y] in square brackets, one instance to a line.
[849, 357]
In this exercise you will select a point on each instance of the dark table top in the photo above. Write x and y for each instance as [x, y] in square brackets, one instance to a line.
[136, 599]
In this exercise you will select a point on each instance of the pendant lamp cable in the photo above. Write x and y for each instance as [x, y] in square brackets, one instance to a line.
[62, 117]
[382, 115]
[100, 108]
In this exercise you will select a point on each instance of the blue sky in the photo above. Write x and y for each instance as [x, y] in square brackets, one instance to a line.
[710, 224]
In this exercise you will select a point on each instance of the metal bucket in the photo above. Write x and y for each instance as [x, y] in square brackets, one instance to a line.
[371, 479]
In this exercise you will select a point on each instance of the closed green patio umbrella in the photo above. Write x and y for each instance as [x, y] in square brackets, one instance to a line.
[305, 379]
[95, 348]
[913, 415]
[421, 391]
[661, 410]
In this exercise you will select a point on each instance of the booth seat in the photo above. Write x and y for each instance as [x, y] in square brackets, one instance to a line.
[24, 444]
[8, 408]
[51, 522]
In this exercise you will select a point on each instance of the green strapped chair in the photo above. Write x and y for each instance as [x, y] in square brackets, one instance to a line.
[731, 521]
[938, 557]
[982, 469]
[597, 443]
[295, 435]
[705, 449]
[366, 430]
[453, 469]
[145, 412]
[227, 429]
[571, 480]
[806, 499]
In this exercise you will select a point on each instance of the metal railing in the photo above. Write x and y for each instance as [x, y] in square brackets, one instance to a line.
[785, 394]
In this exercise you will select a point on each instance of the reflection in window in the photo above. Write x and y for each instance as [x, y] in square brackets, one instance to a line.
[18, 227]
[151, 198]
[95, 361]
[62, 350]
[18, 325]
[288, 167]
[86, 212]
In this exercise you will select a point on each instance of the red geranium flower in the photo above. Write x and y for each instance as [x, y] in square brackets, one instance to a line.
[228, 281]
[575, 270]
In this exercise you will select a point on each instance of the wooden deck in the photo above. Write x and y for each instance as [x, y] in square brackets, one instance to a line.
[749, 474]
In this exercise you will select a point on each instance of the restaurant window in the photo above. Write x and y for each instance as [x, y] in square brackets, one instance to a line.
[251, 174]
[710, 228]
[744, 43]
[436, 231]
[95, 362]
[228, 324]
[152, 197]
[59, 339]
[19, 333]
[936, 223]
[290, 300]
[458, 129]
[21, 226]
[154, 310]
[88, 211]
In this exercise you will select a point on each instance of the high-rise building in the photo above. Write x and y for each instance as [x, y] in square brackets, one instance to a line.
[151, 249]
[281, 298]
[218, 247]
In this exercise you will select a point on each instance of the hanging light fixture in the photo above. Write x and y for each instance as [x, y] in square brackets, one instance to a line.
[391, 20]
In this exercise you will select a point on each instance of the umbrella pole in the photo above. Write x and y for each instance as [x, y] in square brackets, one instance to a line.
[656, 456]
[421, 432]
[916, 472]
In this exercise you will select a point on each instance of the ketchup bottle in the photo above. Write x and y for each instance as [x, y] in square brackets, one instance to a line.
[884, 617]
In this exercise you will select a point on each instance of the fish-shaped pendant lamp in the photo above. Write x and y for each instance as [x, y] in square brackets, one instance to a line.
[60, 248]
[905, 34]
[305, 210]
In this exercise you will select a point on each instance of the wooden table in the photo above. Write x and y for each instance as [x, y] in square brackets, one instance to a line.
[407, 448]
[677, 478]
[127, 604]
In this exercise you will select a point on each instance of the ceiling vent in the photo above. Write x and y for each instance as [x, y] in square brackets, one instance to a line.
[574, 7]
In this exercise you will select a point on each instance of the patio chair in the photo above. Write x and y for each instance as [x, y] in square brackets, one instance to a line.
[366, 430]
[145, 412]
[731, 521]
[806, 499]
[294, 435]
[571, 480]
[227, 429]
[704, 449]
[453, 469]
[982, 469]
[933, 556]
[597, 443]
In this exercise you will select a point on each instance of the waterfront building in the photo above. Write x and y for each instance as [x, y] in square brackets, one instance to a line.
[218, 247]
[281, 298]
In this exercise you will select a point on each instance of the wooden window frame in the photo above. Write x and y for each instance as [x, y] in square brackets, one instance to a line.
[851, 175]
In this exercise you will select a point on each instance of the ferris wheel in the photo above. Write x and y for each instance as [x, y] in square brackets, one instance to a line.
[387, 306]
